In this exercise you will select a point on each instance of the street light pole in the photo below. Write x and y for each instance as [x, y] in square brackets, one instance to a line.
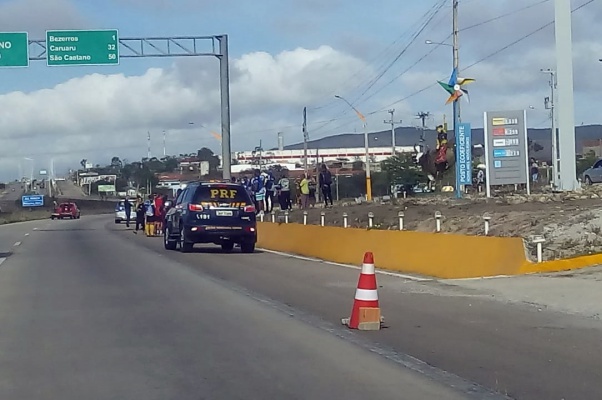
[367, 144]
[164, 149]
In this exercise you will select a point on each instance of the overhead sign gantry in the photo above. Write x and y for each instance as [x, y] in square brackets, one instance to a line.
[105, 47]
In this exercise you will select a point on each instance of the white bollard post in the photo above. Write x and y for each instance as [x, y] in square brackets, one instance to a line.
[304, 217]
[273, 218]
[539, 241]
[345, 220]
[261, 217]
[438, 216]
[286, 217]
[400, 215]
[405, 194]
[487, 219]
[322, 218]
[371, 219]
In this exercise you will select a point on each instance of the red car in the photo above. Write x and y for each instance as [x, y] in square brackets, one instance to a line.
[66, 210]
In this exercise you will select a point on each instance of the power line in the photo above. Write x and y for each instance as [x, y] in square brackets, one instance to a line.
[503, 15]
[484, 58]
[435, 47]
[404, 50]
[385, 51]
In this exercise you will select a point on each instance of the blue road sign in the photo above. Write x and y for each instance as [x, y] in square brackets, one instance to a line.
[464, 156]
[36, 200]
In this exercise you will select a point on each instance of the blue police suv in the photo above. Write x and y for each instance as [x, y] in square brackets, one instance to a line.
[211, 212]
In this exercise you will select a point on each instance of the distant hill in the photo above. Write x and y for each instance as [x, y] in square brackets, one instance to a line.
[409, 136]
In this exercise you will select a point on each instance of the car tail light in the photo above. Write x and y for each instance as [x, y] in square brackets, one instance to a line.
[249, 229]
[249, 209]
[195, 207]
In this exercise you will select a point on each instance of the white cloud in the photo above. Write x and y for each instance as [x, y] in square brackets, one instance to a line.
[97, 116]
[95, 112]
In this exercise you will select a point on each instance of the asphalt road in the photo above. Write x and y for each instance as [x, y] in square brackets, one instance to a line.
[69, 190]
[8, 195]
[91, 311]
[518, 350]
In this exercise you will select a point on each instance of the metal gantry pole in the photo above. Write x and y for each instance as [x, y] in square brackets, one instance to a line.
[566, 102]
[224, 77]
[368, 172]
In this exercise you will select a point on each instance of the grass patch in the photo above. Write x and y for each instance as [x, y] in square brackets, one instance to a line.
[23, 216]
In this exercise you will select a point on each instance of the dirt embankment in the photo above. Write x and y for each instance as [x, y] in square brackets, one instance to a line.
[571, 223]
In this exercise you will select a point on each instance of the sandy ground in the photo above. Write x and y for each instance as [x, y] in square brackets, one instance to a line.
[575, 292]
[571, 223]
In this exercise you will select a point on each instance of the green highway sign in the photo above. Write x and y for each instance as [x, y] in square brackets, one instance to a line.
[83, 47]
[14, 49]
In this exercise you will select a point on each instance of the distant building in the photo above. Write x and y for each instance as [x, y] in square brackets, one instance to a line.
[296, 157]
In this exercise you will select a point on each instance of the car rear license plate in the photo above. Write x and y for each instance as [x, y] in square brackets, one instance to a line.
[224, 213]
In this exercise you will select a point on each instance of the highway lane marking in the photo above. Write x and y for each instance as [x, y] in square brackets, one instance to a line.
[482, 278]
[471, 390]
[27, 234]
[2, 260]
[387, 273]
[17, 244]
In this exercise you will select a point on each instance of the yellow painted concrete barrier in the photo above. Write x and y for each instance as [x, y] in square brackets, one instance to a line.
[447, 256]
[440, 255]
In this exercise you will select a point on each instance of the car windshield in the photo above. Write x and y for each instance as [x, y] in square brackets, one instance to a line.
[222, 195]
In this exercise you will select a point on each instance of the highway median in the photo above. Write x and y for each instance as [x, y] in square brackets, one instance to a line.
[414, 252]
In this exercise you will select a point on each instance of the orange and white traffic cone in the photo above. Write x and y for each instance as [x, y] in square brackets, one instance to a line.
[365, 314]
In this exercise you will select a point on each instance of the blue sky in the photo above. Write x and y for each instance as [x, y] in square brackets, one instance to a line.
[285, 55]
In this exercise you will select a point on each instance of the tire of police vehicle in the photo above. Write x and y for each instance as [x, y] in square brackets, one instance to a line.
[247, 247]
[185, 247]
[168, 243]
[227, 246]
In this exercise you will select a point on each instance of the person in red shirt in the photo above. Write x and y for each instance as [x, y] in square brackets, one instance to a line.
[158, 215]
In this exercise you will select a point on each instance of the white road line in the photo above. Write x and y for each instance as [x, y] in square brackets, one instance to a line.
[27, 234]
[17, 244]
[35, 229]
[2, 260]
[483, 278]
[387, 273]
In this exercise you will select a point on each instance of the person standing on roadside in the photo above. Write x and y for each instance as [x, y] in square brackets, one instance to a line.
[304, 189]
[285, 192]
[127, 206]
[140, 209]
[159, 201]
[325, 182]
[270, 187]
[258, 189]
[149, 213]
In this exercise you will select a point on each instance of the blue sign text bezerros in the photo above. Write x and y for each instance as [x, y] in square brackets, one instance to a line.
[464, 156]
[32, 201]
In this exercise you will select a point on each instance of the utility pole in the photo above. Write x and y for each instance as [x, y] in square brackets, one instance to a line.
[393, 123]
[550, 104]
[456, 47]
[148, 153]
[164, 149]
[305, 140]
[423, 116]
[457, 115]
